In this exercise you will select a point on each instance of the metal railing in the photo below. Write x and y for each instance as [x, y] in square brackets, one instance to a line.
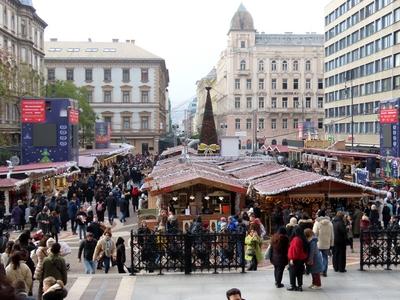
[380, 247]
[210, 252]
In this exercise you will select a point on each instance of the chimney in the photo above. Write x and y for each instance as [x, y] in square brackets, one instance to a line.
[115, 40]
[54, 40]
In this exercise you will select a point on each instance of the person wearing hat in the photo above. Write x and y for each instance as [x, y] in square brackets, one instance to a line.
[18, 215]
[42, 219]
[88, 246]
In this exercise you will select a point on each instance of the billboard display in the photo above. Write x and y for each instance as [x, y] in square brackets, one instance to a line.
[33, 111]
[103, 135]
[389, 127]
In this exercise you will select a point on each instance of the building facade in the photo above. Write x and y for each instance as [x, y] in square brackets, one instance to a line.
[269, 87]
[21, 62]
[127, 86]
[362, 59]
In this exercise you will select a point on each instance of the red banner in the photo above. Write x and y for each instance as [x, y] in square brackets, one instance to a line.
[388, 116]
[33, 111]
[73, 116]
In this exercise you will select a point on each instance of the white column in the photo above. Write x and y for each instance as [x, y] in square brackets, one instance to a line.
[7, 201]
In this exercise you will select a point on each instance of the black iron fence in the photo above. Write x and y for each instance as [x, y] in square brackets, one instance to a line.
[380, 247]
[209, 252]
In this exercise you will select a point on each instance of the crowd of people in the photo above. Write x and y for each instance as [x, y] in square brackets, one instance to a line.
[38, 255]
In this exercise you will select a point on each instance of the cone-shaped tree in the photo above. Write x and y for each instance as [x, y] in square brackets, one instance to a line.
[208, 134]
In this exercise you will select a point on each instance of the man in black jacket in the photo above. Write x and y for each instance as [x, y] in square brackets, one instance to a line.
[87, 246]
[340, 238]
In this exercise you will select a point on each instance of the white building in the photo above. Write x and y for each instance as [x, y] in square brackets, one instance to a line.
[127, 86]
[268, 86]
[21, 43]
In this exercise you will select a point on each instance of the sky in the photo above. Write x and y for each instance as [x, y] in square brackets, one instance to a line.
[189, 34]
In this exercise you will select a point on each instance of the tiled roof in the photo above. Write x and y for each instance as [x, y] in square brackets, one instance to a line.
[257, 171]
[112, 150]
[38, 167]
[177, 150]
[11, 182]
[240, 164]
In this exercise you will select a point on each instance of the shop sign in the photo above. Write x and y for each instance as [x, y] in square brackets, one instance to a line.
[33, 111]
[73, 116]
[388, 116]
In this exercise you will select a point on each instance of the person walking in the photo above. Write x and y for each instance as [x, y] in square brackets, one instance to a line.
[106, 250]
[54, 225]
[111, 204]
[314, 260]
[72, 211]
[63, 208]
[339, 247]
[123, 207]
[386, 215]
[42, 220]
[323, 230]
[88, 246]
[253, 244]
[279, 257]
[53, 289]
[121, 258]
[374, 216]
[18, 215]
[41, 254]
[100, 209]
[81, 220]
[54, 265]
[18, 270]
[297, 255]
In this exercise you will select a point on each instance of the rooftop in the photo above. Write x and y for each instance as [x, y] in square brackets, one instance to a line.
[290, 39]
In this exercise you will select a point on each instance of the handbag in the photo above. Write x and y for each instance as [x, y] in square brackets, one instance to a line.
[268, 252]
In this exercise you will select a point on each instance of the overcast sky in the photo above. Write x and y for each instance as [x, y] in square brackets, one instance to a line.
[188, 34]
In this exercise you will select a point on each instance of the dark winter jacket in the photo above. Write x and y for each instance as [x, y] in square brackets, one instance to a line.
[339, 232]
[374, 218]
[72, 209]
[111, 204]
[95, 228]
[63, 208]
[280, 247]
[54, 265]
[88, 249]
[120, 251]
[17, 215]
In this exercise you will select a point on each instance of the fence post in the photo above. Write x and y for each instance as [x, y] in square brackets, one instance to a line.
[361, 250]
[243, 246]
[388, 247]
[132, 264]
[188, 254]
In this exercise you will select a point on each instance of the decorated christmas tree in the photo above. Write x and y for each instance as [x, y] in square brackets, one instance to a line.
[208, 134]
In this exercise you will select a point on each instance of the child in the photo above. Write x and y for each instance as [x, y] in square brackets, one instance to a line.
[314, 259]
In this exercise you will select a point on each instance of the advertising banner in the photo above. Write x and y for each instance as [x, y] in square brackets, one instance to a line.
[33, 111]
[73, 116]
[103, 134]
[388, 116]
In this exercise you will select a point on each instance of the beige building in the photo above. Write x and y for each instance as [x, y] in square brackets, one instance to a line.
[21, 45]
[268, 86]
[362, 59]
[127, 86]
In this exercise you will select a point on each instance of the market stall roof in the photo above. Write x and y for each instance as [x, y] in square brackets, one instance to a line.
[293, 179]
[38, 168]
[87, 162]
[240, 164]
[114, 149]
[177, 151]
[12, 183]
[277, 148]
[254, 172]
[340, 153]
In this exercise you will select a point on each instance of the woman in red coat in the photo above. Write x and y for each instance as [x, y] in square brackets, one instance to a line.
[297, 255]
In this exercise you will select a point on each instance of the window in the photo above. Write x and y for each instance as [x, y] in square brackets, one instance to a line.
[144, 122]
[295, 84]
[23, 27]
[126, 122]
[260, 123]
[107, 96]
[107, 75]
[320, 123]
[237, 102]
[70, 74]
[284, 84]
[308, 84]
[261, 102]
[273, 102]
[145, 96]
[308, 102]
[242, 44]
[125, 75]
[387, 41]
[248, 123]
[320, 102]
[295, 65]
[248, 102]
[51, 74]
[308, 65]
[284, 102]
[273, 123]
[284, 65]
[296, 102]
[237, 84]
[237, 123]
[260, 84]
[90, 96]
[320, 84]
[273, 65]
[108, 120]
[144, 77]
[126, 97]
[88, 75]
[386, 84]
[273, 84]
[397, 60]
[295, 123]
[386, 63]
[261, 66]
[242, 65]
[284, 123]
[396, 82]
[248, 84]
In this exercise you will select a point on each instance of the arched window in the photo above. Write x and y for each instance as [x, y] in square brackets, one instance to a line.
[243, 65]
[273, 65]
[284, 65]
[308, 65]
[261, 65]
[295, 65]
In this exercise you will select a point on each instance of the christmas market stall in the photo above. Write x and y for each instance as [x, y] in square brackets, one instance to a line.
[298, 190]
[23, 181]
[176, 151]
[108, 156]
